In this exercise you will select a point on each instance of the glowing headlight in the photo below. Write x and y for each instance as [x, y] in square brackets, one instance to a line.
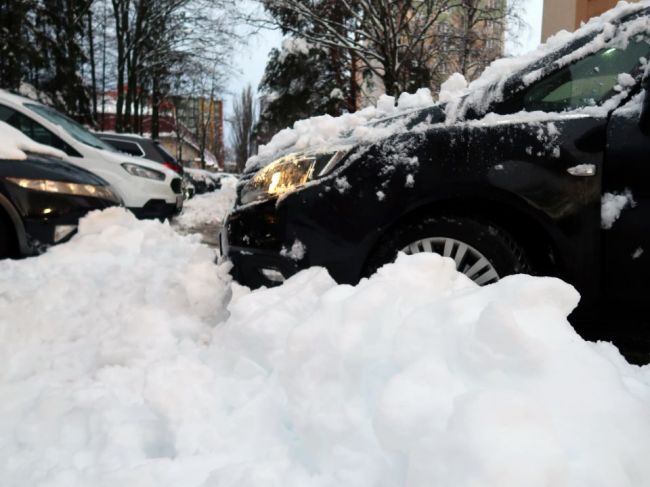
[62, 187]
[288, 173]
[143, 172]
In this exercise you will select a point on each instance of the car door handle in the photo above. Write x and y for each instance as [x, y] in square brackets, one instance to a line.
[582, 170]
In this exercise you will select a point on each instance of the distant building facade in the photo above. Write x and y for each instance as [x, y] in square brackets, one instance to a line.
[569, 14]
[190, 128]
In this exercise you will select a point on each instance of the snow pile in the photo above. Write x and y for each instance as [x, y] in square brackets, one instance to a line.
[93, 333]
[327, 132]
[612, 204]
[418, 377]
[14, 144]
[453, 88]
[117, 372]
[208, 208]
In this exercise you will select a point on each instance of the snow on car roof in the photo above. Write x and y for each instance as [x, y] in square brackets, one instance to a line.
[324, 132]
[14, 145]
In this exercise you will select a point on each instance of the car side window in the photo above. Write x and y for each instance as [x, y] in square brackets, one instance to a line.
[588, 82]
[34, 130]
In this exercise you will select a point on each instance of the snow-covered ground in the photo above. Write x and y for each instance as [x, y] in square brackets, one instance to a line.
[130, 358]
[204, 214]
[208, 208]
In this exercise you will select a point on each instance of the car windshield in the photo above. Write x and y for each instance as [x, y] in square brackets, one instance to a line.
[73, 128]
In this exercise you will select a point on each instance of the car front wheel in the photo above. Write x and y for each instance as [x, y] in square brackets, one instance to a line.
[482, 251]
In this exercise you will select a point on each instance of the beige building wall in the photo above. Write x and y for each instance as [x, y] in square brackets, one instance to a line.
[569, 14]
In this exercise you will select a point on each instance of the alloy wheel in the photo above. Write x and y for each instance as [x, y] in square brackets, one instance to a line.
[468, 260]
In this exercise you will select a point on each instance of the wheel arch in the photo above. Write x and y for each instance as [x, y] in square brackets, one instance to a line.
[527, 226]
[11, 216]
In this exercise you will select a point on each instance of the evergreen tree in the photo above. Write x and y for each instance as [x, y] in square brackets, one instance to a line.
[59, 38]
[17, 53]
[300, 81]
[41, 44]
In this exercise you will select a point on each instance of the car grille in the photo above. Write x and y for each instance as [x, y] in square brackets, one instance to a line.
[176, 186]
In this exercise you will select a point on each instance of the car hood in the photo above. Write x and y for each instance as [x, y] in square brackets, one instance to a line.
[40, 167]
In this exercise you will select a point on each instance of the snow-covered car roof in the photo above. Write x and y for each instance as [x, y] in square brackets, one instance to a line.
[375, 123]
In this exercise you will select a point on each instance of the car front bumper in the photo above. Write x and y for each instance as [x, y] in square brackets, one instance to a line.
[258, 239]
[48, 218]
[159, 209]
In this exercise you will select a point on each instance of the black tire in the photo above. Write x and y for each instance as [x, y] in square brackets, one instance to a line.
[481, 238]
[6, 238]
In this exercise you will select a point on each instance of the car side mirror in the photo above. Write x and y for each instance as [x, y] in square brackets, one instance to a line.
[644, 121]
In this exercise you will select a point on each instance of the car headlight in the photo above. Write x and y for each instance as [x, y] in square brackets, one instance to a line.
[143, 172]
[63, 187]
[289, 173]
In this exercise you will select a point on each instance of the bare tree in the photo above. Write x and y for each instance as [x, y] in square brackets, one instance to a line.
[383, 34]
[242, 121]
[395, 41]
[478, 32]
[154, 42]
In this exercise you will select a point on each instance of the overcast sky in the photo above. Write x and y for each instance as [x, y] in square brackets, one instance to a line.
[250, 59]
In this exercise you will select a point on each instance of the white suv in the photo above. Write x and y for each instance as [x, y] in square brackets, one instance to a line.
[147, 188]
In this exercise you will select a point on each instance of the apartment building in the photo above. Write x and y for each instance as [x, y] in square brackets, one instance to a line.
[569, 14]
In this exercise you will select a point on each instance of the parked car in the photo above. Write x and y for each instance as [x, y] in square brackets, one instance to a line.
[189, 190]
[506, 179]
[142, 147]
[42, 199]
[147, 189]
[203, 181]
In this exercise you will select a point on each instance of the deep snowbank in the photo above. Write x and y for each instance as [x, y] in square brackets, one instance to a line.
[118, 369]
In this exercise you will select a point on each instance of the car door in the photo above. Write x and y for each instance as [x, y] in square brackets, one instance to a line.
[554, 135]
[626, 245]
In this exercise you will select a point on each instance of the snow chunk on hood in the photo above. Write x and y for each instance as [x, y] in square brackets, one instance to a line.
[114, 373]
[453, 88]
[326, 132]
[14, 145]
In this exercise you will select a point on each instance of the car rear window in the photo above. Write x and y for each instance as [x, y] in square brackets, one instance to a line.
[164, 152]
